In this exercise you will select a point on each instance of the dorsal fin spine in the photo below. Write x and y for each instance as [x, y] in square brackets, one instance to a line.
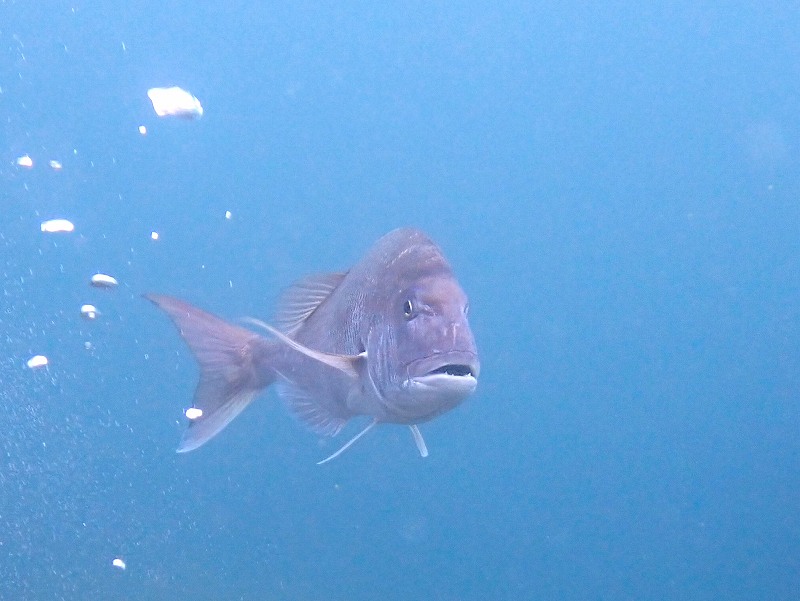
[301, 299]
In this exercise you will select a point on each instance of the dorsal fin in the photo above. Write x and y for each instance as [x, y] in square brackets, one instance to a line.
[302, 298]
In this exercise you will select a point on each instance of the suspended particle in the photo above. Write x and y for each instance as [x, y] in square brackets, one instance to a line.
[228, 215]
[25, 161]
[154, 235]
[56, 165]
[143, 130]
[119, 563]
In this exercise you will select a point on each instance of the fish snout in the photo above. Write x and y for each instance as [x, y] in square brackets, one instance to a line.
[451, 333]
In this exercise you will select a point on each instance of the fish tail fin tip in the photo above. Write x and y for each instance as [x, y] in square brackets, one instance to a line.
[231, 361]
[203, 429]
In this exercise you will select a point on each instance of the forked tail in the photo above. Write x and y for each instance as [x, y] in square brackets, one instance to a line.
[233, 367]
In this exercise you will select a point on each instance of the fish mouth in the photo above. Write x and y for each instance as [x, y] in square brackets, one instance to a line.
[453, 369]
[434, 385]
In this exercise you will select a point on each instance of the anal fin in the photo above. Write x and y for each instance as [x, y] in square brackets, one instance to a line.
[310, 410]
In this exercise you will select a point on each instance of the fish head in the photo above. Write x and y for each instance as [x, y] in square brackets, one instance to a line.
[426, 361]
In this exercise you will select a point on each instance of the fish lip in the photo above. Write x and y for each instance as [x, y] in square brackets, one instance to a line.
[434, 367]
[431, 389]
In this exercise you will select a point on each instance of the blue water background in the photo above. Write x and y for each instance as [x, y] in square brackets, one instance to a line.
[616, 186]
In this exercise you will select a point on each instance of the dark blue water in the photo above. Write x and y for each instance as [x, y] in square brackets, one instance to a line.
[617, 187]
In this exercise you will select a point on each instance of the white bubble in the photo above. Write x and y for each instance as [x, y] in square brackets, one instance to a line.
[57, 225]
[193, 413]
[175, 102]
[89, 312]
[101, 280]
[37, 361]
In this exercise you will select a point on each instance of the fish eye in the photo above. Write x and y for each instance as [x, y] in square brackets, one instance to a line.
[408, 309]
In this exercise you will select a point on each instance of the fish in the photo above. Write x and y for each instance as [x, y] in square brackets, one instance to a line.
[388, 340]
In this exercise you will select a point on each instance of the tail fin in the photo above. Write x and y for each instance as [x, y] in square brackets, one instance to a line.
[232, 367]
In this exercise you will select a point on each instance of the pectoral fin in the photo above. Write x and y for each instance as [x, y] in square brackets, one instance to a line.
[344, 363]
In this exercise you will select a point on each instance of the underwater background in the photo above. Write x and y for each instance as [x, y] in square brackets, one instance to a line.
[617, 187]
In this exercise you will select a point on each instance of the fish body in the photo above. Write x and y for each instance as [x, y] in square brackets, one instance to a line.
[389, 340]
